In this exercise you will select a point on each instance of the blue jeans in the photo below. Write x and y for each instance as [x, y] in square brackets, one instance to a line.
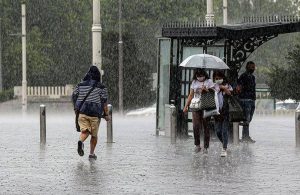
[221, 127]
[248, 106]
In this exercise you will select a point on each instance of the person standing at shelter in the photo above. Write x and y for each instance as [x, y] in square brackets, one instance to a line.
[200, 84]
[92, 109]
[223, 90]
[246, 90]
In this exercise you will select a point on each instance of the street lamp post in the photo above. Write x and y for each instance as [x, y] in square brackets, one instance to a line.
[96, 36]
[225, 15]
[210, 21]
[1, 84]
[120, 47]
[24, 82]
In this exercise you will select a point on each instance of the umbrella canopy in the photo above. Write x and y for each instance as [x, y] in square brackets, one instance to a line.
[205, 61]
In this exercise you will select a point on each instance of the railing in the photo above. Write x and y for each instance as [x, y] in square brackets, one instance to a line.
[187, 24]
[42, 91]
[45, 91]
[263, 94]
[269, 19]
[274, 112]
[250, 19]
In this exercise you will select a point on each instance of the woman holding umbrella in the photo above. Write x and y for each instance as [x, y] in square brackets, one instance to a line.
[200, 84]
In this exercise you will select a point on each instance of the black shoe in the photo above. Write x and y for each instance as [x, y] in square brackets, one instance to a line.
[92, 156]
[80, 148]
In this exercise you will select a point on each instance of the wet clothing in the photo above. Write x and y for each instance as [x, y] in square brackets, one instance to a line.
[92, 74]
[88, 123]
[90, 111]
[197, 117]
[248, 109]
[247, 100]
[247, 83]
[221, 94]
[199, 121]
[208, 83]
[222, 120]
[222, 126]
[94, 104]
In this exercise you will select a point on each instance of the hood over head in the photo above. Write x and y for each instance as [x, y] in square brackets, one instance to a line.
[92, 74]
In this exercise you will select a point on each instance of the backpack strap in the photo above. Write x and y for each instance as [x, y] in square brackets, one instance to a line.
[86, 97]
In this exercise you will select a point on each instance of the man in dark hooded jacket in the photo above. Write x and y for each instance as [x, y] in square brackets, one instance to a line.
[92, 109]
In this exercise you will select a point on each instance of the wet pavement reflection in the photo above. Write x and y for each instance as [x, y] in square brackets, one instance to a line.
[141, 163]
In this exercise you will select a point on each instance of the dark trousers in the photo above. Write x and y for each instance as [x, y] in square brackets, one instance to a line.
[248, 108]
[198, 122]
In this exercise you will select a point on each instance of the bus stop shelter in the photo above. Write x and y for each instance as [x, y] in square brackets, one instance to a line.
[232, 43]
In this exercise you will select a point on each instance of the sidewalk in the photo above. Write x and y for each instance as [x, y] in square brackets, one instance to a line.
[141, 163]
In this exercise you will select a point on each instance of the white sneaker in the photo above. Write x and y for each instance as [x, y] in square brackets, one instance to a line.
[205, 151]
[223, 153]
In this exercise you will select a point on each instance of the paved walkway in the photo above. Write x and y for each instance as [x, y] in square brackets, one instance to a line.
[141, 163]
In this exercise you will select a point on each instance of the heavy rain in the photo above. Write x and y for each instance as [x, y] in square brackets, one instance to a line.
[147, 145]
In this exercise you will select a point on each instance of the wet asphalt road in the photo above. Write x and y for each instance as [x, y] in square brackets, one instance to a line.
[141, 163]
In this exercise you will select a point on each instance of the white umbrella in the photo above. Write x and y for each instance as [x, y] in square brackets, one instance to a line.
[205, 61]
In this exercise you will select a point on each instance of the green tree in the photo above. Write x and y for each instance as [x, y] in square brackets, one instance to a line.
[66, 28]
[59, 39]
[273, 52]
[284, 81]
[11, 45]
[137, 86]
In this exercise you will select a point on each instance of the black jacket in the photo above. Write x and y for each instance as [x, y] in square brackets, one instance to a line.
[247, 82]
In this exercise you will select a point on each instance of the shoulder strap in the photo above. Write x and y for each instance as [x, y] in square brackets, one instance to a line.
[86, 97]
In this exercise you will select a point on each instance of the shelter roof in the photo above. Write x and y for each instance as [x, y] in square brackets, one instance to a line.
[251, 27]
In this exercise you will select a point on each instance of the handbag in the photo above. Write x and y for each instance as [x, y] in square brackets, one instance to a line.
[208, 113]
[215, 110]
[236, 113]
[77, 112]
[195, 104]
[208, 100]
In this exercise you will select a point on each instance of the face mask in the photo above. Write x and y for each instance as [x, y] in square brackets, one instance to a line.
[220, 81]
[251, 71]
[200, 79]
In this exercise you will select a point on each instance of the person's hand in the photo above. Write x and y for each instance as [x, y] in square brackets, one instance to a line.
[75, 110]
[204, 89]
[227, 91]
[185, 109]
[199, 90]
[238, 89]
[107, 118]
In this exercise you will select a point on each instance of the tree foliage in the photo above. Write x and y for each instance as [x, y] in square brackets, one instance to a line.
[284, 81]
[59, 42]
[137, 86]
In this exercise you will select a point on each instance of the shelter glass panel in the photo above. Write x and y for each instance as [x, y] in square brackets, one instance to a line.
[216, 51]
[188, 51]
[164, 79]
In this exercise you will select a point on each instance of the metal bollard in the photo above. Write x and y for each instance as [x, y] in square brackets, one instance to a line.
[297, 126]
[235, 133]
[42, 124]
[109, 125]
[173, 122]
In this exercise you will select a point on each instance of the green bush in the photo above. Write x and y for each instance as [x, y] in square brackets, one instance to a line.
[6, 95]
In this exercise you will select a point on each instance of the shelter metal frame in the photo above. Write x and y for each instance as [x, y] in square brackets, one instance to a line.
[239, 41]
